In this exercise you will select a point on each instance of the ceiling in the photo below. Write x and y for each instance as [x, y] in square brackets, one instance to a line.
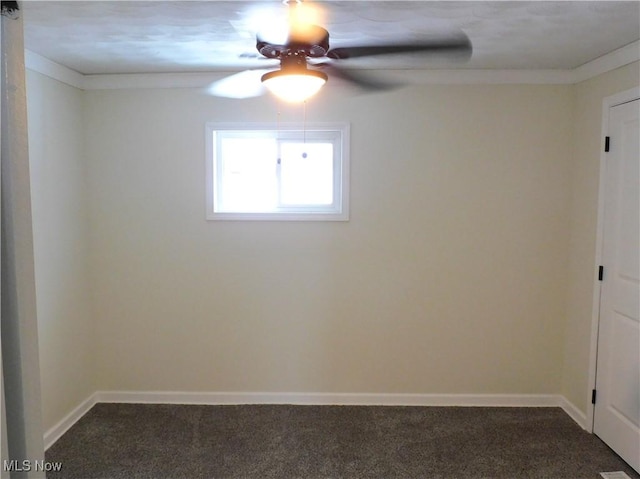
[106, 37]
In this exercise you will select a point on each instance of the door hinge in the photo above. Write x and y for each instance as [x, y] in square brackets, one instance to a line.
[606, 144]
[593, 396]
[600, 272]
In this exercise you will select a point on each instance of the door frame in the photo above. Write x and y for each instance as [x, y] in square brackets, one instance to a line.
[607, 103]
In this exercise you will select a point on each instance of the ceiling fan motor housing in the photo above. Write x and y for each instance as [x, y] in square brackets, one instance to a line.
[311, 41]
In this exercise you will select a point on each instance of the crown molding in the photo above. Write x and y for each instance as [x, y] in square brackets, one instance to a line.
[54, 70]
[151, 80]
[480, 77]
[618, 58]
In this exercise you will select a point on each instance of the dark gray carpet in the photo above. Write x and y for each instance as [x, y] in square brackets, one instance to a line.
[277, 441]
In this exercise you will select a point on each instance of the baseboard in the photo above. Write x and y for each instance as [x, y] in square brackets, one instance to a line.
[342, 399]
[356, 399]
[574, 413]
[53, 434]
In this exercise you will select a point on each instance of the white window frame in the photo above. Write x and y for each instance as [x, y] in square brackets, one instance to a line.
[337, 132]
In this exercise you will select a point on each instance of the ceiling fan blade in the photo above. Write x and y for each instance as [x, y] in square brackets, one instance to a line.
[246, 84]
[363, 81]
[456, 47]
[255, 56]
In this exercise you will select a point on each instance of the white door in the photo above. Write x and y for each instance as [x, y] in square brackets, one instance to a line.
[617, 407]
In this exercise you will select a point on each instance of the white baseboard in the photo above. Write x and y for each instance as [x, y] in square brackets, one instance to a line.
[574, 413]
[53, 434]
[359, 399]
[342, 399]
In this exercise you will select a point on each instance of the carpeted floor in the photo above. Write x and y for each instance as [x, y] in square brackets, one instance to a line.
[140, 441]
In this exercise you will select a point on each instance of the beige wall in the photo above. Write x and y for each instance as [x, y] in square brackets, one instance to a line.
[58, 185]
[450, 276]
[466, 267]
[587, 137]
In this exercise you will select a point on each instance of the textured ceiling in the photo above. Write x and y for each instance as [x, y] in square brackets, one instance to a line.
[97, 37]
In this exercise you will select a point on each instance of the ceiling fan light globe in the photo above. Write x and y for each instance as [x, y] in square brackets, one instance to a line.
[294, 87]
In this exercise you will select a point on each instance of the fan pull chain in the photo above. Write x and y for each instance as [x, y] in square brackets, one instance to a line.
[278, 115]
[278, 119]
[304, 129]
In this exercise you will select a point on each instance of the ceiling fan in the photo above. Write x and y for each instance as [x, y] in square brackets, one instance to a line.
[307, 45]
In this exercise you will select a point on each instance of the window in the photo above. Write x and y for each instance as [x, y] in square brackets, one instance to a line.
[277, 172]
